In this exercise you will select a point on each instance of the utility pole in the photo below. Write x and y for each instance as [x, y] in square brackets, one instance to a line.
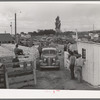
[76, 35]
[16, 36]
[15, 29]
[93, 28]
[11, 27]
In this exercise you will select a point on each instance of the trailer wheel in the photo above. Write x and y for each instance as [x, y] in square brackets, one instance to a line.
[41, 69]
[58, 68]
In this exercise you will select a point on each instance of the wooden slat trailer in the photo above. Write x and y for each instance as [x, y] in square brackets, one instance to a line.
[20, 77]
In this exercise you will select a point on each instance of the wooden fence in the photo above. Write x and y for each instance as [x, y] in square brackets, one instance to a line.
[19, 77]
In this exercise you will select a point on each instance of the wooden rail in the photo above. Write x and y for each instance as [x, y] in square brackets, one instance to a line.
[23, 74]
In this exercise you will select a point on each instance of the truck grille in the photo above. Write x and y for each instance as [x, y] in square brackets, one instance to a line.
[49, 61]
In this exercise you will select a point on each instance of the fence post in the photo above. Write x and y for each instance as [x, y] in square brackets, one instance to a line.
[34, 70]
[6, 78]
[25, 65]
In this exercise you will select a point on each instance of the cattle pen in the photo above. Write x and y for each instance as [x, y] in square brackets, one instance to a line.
[15, 78]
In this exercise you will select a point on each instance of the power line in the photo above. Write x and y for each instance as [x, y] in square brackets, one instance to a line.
[4, 26]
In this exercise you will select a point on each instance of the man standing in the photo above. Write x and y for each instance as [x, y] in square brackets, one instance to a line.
[65, 47]
[40, 49]
[16, 62]
[16, 50]
[72, 64]
[78, 67]
[68, 45]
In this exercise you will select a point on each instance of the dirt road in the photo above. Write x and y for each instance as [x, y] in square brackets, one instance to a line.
[58, 79]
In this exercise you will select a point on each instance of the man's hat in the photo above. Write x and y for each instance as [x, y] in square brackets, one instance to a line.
[77, 55]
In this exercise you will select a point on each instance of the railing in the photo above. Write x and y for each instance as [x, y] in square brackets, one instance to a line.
[18, 76]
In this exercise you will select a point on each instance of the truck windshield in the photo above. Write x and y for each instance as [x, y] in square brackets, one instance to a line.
[52, 52]
[49, 52]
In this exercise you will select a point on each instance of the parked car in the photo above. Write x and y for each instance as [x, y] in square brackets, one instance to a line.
[49, 58]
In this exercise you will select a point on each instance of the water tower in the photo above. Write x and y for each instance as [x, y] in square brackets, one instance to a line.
[57, 25]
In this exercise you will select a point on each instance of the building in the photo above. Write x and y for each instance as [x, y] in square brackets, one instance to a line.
[91, 53]
[6, 38]
[91, 36]
[74, 37]
[26, 36]
[96, 37]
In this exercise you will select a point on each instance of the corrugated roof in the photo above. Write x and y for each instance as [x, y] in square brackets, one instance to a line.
[6, 37]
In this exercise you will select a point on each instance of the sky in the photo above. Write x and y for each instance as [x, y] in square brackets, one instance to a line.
[32, 16]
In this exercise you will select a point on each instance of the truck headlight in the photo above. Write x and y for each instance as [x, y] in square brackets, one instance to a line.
[44, 60]
[54, 59]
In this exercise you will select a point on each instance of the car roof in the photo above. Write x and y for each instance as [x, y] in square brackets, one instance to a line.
[49, 48]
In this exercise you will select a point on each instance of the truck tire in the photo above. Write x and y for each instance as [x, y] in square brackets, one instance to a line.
[58, 68]
[41, 69]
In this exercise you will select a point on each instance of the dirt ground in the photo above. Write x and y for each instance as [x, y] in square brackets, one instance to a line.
[58, 79]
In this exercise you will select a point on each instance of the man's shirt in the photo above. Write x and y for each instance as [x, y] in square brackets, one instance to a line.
[79, 62]
[72, 60]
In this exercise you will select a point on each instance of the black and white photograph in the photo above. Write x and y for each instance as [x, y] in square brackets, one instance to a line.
[50, 45]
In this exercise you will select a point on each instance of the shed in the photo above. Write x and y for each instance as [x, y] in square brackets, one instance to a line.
[96, 37]
[91, 53]
[6, 38]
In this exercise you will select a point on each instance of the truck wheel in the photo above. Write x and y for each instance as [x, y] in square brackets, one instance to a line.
[58, 68]
[41, 69]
